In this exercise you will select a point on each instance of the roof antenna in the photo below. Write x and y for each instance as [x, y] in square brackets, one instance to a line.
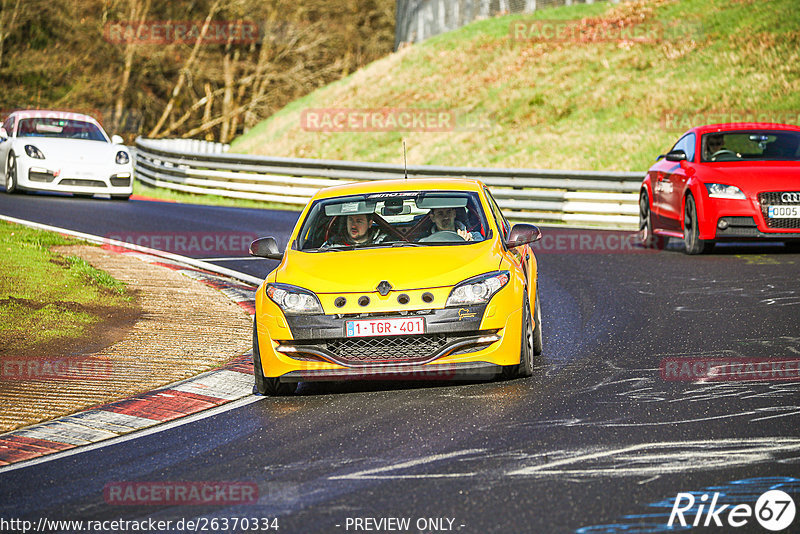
[405, 163]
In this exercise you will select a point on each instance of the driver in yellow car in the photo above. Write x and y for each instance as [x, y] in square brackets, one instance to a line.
[444, 220]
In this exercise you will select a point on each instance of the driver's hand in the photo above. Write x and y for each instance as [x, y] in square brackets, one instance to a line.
[465, 235]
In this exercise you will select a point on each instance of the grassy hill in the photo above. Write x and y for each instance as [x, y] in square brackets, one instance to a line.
[596, 104]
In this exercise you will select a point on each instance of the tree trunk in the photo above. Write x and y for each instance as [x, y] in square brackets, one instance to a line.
[138, 14]
[186, 68]
[207, 110]
[228, 68]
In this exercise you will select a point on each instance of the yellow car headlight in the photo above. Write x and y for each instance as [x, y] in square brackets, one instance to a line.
[294, 300]
[478, 289]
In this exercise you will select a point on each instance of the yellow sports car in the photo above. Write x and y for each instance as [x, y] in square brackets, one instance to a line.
[398, 279]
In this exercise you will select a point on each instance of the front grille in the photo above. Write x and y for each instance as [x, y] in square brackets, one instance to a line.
[469, 349]
[387, 348]
[773, 198]
[82, 183]
[738, 227]
[116, 181]
[35, 176]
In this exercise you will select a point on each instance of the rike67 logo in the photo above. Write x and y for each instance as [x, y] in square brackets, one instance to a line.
[774, 510]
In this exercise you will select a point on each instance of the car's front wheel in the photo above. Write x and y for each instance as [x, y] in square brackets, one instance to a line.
[527, 346]
[264, 385]
[646, 235]
[11, 175]
[120, 197]
[538, 346]
[691, 229]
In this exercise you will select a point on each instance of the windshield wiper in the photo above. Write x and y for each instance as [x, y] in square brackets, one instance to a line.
[328, 249]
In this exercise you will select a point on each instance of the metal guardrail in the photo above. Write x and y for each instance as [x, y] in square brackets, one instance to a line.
[574, 197]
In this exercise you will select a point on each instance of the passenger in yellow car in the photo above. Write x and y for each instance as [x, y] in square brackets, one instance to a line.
[357, 231]
[444, 220]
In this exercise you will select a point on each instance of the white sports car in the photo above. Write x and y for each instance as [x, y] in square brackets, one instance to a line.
[62, 151]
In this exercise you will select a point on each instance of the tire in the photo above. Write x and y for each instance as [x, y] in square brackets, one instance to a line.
[272, 387]
[124, 198]
[83, 195]
[538, 346]
[11, 175]
[646, 235]
[691, 232]
[525, 366]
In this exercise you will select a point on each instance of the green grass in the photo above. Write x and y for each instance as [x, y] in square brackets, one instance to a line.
[594, 106]
[170, 195]
[45, 297]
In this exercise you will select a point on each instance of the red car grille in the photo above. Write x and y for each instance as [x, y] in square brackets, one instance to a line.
[773, 198]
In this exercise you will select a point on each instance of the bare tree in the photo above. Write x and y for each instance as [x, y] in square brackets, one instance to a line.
[185, 71]
[215, 89]
[137, 16]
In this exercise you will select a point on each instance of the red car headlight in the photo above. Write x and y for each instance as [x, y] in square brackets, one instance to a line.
[725, 191]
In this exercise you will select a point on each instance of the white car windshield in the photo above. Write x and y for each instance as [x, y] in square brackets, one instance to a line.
[421, 218]
[63, 128]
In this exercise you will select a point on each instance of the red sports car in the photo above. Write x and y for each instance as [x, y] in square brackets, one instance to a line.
[724, 182]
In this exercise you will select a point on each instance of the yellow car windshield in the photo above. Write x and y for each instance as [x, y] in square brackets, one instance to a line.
[421, 218]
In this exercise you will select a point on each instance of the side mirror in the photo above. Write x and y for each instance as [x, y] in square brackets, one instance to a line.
[676, 155]
[522, 234]
[3, 133]
[117, 140]
[266, 247]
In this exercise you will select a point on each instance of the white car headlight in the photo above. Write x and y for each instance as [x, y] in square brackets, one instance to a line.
[122, 157]
[478, 289]
[725, 191]
[294, 300]
[33, 152]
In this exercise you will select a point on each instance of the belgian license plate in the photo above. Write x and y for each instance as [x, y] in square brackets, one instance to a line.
[385, 327]
[783, 212]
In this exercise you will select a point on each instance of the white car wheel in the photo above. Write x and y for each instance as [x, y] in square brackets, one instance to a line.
[11, 174]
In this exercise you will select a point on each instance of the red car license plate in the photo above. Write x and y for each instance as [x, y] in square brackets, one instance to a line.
[385, 327]
[783, 212]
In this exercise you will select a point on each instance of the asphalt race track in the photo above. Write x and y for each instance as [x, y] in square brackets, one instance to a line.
[603, 438]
